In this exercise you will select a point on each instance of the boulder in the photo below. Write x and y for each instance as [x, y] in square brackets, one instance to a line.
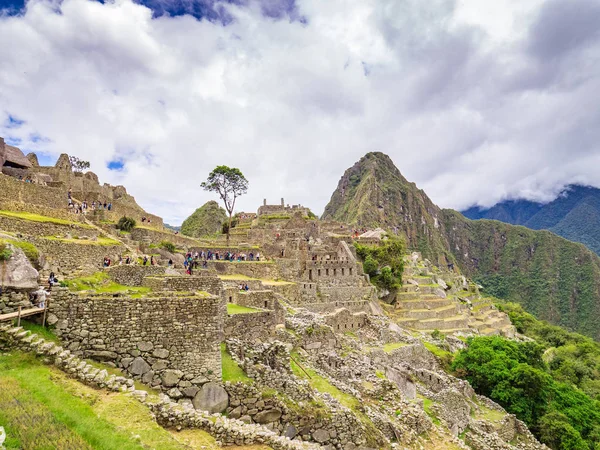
[18, 273]
[138, 366]
[145, 346]
[212, 398]
[290, 431]
[160, 353]
[171, 377]
[268, 416]
[321, 435]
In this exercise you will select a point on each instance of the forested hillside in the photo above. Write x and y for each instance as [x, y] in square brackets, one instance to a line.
[574, 215]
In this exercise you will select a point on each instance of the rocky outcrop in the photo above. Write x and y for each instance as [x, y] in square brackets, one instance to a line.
[16, 272]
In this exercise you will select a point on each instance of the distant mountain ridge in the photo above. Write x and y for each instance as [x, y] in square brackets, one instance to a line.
[556, 279]
[574, 215]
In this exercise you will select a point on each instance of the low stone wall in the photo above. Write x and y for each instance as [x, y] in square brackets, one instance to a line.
[256, 325]
[10, 301]
[267, 270]
[204, 281]
[29, 227]
[133, 275]
[171, 342]
[72, 258]
[156, 237]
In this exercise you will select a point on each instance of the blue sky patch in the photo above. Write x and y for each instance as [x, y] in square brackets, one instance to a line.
[115, 165]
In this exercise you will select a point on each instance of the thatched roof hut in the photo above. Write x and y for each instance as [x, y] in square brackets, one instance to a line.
[13, 157]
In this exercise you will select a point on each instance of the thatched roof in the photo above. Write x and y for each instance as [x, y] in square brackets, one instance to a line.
[15, 156]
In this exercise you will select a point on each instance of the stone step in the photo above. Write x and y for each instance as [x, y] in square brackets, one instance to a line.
[424, 303]
[429, 313]
[442, 324]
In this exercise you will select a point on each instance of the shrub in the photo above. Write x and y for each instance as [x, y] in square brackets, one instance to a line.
[168, 246]
[371, 266]
[5, 252]
[126, 223]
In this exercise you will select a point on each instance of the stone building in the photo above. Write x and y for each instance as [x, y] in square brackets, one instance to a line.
[12, 160]
[281, 209]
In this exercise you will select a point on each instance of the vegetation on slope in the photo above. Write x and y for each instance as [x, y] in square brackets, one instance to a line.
[554, 279]
[574, 215]
[384, 263]
[206, 220]
[515, 375]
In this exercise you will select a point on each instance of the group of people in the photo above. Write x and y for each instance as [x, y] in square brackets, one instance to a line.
[244, 287]
[82, 208]
[209, 255]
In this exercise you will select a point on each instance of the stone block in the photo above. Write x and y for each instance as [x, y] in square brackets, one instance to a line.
[212, 398]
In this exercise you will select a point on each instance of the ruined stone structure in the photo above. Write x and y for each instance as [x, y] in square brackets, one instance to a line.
[281, 210]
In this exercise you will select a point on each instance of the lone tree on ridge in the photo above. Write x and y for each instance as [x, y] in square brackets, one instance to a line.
[78, 165]
[229, 183]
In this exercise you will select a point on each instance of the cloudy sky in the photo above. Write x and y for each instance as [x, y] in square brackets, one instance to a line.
[474, 100]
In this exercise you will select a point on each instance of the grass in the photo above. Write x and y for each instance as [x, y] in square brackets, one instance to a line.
[232, 309]
[427, 404]
[42, 409]
[440, 353]
[29, 249]
[41, 331]
[491, 415]
[44, 219]
[99, 241]
[388, 348]
[101, 283]
[231, 371]
[321, 384]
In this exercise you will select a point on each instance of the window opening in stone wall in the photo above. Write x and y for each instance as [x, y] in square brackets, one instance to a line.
[334, 272]
[350, 272]
[310, 274]
[327, 272]
[266, 303]
[342, 271]
[318, 272]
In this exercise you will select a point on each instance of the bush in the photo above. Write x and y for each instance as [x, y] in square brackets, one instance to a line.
[126, 223]
[29, 249]
[371, 266]
[168, 246]
[5, 252]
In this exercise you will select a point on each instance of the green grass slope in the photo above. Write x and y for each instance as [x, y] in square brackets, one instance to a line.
[206, 220]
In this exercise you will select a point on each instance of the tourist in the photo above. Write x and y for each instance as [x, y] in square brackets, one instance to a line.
[257, 256]
[152, 262]
[145, 260]
[40, 297]
[204, 264]
[120, 260]
[170, 263]
[109, 206]
[52, 280]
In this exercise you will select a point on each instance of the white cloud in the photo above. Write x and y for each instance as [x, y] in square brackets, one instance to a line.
[452, 92]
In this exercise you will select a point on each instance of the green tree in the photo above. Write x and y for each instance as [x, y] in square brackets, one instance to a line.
[78, 165]
[556, 432]
[371, 266]
[229, 183]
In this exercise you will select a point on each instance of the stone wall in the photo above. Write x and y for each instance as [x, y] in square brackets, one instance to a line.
[72, 258]
[29, 227]
[343, 320]
[156, 237]
[204, 281]
[133, 275]
[156, 339]
[256, 325]
[267, 270]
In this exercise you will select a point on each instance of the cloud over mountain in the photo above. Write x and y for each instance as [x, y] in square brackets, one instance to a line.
[474, 104]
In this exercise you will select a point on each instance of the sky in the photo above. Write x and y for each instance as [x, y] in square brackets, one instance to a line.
[474, 101]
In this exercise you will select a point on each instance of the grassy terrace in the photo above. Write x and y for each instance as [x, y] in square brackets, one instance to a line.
[42, 408]
[99, 241]
[231, 371]
[101, 283]
[233, 309]
[44, 219]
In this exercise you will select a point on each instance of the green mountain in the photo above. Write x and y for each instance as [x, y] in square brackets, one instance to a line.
[208, 219]
[553, 278]
[574, 215]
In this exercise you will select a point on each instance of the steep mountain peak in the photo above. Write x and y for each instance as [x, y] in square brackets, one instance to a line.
[373, 193]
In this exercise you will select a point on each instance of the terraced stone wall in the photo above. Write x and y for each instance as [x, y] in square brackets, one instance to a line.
[29, 227]
[266, 270]
[257, 325]
[204, 281]
[156, 237]
[133, 275]
[149, 337]
[73, 258]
